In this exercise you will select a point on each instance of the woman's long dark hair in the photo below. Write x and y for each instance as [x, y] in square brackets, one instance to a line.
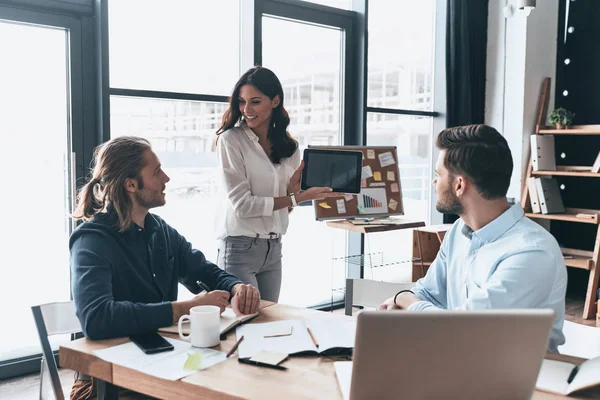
[263, 79]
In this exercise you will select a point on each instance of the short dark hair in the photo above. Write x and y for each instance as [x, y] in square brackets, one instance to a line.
[482, 154]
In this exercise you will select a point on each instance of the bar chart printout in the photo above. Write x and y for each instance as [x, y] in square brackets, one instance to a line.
[372, 201]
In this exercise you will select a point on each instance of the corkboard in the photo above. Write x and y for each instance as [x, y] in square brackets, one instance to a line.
[381, 192]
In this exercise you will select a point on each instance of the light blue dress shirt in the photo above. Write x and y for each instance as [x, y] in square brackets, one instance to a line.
[512, 262]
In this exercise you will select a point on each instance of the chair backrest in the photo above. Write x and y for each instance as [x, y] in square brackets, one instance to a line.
[369, 293]
[53, 319]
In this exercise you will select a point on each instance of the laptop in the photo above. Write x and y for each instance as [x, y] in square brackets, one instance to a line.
[492, 354]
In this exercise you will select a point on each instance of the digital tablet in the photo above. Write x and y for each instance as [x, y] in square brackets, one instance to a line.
[338, 169]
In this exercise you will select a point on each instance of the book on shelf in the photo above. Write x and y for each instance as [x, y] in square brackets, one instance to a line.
[565, 378]
[542, 153]
[549, 196]
[533, 196]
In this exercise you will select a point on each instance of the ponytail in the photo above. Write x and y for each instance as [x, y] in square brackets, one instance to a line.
[90, 200]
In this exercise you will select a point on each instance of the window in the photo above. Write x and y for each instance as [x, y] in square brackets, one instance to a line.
[182, 135]
[187, 46]
[400, 112]
[315, 119]
[35, 107]
[400, 61]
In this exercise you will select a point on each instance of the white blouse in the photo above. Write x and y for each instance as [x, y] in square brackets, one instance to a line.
[250, 181]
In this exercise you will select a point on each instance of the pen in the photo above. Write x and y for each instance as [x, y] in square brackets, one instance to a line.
[203, 286]
[235, 346]
[573, 374]
[312, 337]
[261, 364]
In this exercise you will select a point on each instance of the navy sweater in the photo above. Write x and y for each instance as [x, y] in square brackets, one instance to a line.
[124, 283]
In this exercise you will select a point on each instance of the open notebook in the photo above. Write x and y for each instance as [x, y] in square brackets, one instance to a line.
[228, 321]
[565, 378]
[334, 336]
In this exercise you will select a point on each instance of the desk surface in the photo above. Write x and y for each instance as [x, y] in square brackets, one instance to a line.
[307, 377]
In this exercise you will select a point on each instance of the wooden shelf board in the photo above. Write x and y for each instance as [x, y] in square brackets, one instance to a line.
[573, 130]
[425, 263]
[587, 174]
[563, 217]
[579, 262]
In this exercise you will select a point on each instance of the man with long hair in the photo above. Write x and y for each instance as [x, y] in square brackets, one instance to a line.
[125, 262]
[493, 256]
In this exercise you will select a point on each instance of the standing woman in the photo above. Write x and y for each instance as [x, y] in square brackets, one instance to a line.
[260, 170]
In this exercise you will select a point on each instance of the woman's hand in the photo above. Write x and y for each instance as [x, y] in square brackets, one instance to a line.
[317, 193]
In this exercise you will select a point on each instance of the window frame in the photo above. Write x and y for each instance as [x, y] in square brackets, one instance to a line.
[78, 21]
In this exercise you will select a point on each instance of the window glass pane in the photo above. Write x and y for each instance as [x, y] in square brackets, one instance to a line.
[310, 72]
[401, 47]
[34, 108]
[188, 46]
[412, 137]
[343, 4]
[182, 134]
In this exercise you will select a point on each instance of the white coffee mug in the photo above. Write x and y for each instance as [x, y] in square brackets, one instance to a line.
[204, 326]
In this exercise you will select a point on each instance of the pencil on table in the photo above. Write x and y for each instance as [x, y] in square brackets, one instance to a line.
[312, 337]
[235, 346]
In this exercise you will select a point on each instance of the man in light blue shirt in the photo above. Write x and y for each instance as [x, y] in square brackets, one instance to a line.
[493, 257]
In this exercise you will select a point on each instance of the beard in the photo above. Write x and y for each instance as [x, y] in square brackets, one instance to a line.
[148, 200]
[449, 204]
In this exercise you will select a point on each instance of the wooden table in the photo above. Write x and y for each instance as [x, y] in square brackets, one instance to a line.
[307, 377]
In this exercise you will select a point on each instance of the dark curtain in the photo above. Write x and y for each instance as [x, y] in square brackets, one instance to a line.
[466, 42]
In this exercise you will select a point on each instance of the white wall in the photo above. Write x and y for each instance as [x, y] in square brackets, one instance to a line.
[521, 51]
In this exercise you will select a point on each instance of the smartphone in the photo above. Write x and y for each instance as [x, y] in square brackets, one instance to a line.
[151, 343]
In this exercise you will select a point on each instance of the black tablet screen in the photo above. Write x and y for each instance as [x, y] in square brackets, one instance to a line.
[339, 170]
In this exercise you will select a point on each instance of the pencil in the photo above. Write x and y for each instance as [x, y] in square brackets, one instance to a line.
[312, 337]
[235, 346]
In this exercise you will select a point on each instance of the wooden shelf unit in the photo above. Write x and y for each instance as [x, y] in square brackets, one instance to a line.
[426, 245]
[575, 258]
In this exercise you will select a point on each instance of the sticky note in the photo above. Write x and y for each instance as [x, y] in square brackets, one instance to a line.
[391, 176]
[324, 205]
[394, 187]
[386, 159]
[377, 175]
[269, 357]
[341, 206]
[363, 183]
[287, 331]
[371, 154]
[193, 362]
[393, 204]
[367, 172]
[348, 196]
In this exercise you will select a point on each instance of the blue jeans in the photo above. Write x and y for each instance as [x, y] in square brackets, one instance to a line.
[255, 261]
